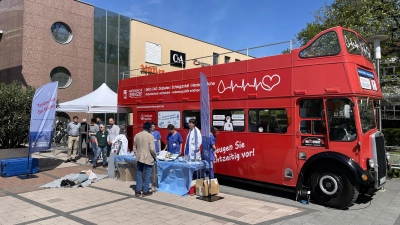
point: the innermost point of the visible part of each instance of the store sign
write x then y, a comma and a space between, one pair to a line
150, 69
177, 59
196, 62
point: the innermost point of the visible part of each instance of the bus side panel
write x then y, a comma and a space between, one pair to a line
229, 68
231, 154
270, 149
316, 79
229, 161
267, 63
228, 87
195, 73
171, 91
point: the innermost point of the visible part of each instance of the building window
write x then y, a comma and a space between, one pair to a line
237, 60
227, 59
62, 75
153, 53
215, 58
61, 32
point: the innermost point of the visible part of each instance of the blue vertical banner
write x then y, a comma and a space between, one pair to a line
42, 117
205, 117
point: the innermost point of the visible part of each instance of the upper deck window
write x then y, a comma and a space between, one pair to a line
351, 41
365, 49
327, 44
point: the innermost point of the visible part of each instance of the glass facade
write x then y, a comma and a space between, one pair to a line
111, 47
111, 51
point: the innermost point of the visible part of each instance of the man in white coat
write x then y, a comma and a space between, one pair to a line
193, 141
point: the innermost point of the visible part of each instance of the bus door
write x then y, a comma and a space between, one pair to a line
311, 135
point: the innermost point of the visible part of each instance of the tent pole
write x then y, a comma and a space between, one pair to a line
87, 136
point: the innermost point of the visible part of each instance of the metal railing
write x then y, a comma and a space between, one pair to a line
395, 160
131, 73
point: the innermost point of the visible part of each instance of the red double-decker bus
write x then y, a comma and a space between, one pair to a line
301, 120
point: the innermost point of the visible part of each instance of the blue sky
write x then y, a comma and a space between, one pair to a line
233, 24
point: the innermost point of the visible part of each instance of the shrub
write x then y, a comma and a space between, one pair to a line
390, 123
392, 136
393, 173
15, 115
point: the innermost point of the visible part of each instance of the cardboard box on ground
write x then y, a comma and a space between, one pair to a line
202, 187
126, 171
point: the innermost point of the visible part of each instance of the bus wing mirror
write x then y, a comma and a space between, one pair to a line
347, 111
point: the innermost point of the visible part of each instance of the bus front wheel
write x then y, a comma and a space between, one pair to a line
332, 187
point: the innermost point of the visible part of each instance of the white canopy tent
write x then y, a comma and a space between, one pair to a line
102, 100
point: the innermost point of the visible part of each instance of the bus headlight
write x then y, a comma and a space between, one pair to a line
387, 155
371, 163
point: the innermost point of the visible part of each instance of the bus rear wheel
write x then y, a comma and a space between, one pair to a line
333, 187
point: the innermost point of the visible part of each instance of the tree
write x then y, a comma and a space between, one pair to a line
15, 115
286, 51
367, 17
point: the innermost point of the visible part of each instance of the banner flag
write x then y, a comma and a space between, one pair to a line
42, 117
205, 117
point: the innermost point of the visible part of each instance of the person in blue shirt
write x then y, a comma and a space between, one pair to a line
213, 148
157, 137
174, 140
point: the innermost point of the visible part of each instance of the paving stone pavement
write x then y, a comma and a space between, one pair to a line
111, 201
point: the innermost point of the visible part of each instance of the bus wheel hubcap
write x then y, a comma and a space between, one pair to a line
329, 184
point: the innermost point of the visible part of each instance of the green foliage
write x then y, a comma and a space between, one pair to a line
306, 34
367, 17
16, 102
390, 123
286, 51
392, 136
393, 173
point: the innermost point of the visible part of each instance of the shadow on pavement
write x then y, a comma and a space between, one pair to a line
363, 199
133, 186
258, 188
46, 164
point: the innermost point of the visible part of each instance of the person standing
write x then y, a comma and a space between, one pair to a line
98, 121
213, 148
145, 152
157, 137
83, 130
193, 141
93, 129
113, 131
73, 139
174, 141
102, 138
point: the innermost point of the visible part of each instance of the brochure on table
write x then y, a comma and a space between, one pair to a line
167, 156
